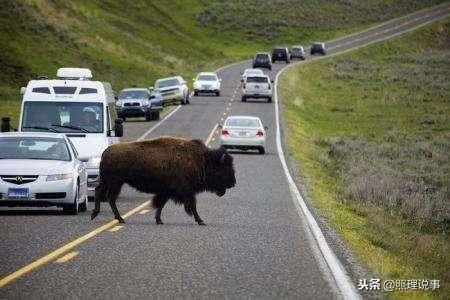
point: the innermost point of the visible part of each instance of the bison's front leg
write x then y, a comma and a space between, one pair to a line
158, 202
195, 213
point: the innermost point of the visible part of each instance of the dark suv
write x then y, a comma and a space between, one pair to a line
139, 102
318, 48
280, 53
262, 60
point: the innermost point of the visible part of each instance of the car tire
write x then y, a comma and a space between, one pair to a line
195, 93
218, 93
149, 116
72, 209
269, 100
270, 68
244, 99
83, 206
123, 118
156, 115
261, 150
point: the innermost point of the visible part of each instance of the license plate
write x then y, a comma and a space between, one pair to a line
242, 133
18, 193
256, 86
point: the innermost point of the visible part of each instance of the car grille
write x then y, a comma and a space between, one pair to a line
131, 104
168, 92
19, 179
50, 195
206, 87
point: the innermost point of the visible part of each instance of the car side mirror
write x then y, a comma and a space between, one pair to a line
23, 90
83, 159
271, 80
6, 125
118, 127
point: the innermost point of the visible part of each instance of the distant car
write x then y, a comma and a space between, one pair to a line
318, 48
298, 52
207, 82
139, 102
280, 53
262, 60
257, 86
42, 169
243, 133
248, 72
172, 89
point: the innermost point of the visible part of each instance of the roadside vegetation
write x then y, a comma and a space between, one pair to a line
134, 43
370, 130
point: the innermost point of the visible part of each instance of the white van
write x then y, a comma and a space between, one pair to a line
84, 110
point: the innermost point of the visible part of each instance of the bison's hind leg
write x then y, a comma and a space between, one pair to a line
100, 195
113, 193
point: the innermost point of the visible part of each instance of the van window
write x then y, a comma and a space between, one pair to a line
257, 79
43, 90
88, 91
63, 116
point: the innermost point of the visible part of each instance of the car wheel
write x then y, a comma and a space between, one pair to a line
156, 115
270, 68
72, 209
149, 116
218, 93
244, 99
261, 150
269, 100
123, 118
195, 93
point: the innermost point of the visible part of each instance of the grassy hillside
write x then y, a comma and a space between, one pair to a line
370, 131
134, 43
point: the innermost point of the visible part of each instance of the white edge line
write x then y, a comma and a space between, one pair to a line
339, 273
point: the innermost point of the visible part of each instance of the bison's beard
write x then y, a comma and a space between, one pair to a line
220, 193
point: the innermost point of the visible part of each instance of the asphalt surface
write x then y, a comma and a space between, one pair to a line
255, 244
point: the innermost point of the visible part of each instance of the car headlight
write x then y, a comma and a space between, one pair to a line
145, 103
93, 162
59, 177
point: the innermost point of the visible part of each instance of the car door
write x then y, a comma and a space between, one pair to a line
80, 168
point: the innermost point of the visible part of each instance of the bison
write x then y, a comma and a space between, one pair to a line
169, 168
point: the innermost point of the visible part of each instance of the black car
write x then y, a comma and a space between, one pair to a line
280, 53
298, 52
318, 48
262, 60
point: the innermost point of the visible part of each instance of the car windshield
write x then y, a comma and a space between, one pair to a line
242, 122
207, 78
34, 148
67, 117
166, 82
257, 79
262, 56
134, 94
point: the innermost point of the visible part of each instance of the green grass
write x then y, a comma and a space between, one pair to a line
370, 131
140, 41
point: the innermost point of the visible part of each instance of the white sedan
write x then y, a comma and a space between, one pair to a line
250, 72
207, 82
243, 133
41, 169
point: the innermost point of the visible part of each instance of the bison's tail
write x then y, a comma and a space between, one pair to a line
100, 195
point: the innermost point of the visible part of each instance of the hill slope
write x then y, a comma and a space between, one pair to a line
137, 42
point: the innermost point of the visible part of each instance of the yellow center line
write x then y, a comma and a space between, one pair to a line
66, 257
69, 246
115, 228
208, 140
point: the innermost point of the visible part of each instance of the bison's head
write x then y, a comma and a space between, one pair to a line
220, 171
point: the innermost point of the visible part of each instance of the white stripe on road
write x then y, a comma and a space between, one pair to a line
159, 123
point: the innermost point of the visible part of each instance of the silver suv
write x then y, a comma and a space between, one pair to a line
173, 89
257, 86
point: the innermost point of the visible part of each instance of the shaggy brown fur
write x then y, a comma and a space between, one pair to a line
170, 168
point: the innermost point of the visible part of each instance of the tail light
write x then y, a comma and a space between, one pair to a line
260, 133
225, 132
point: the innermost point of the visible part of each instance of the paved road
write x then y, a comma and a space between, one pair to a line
254, 245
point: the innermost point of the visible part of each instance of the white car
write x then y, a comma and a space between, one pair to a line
243, 133
249, 72
257, 86
172, 89
207, 82
42, 169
